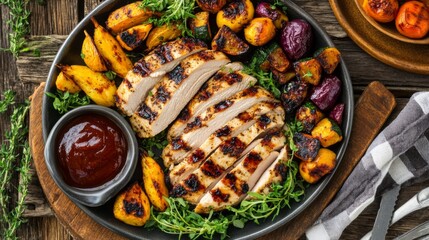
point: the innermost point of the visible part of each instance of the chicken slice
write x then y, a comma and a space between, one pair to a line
275, 173
212, 119
174, 91
192, 187
232, 188
234, 127
221, 86
149, 70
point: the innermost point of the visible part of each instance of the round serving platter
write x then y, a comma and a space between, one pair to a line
402, 55
70, 54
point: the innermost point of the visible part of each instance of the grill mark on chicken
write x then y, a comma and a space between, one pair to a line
232, 147
223, 105
184, 115
178, 143
194, 124
263, 121
233, 78
197, 156
223, 132
252, 91
192, 183
178, 191
204, 55
218, 196
281, 170
128, 83
209, 168
142, 67
146, 113
177, 74
245, 116
266, 141
251, 162
162, 95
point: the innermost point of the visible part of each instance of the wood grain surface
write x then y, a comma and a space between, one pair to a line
58, 17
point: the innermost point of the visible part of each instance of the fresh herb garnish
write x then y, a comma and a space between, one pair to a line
15, 158
179, 218
291, 128
65, 101
82, 56
173, 12
9, 99
265, 79
280, 4
155, 143
110, 75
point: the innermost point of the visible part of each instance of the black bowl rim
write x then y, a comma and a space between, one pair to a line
99, 195
347, 122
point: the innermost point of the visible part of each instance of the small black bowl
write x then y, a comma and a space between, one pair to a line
95, 196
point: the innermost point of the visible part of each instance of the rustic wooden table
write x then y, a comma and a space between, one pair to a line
57, 18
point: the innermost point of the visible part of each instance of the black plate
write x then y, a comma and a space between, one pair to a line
70, 54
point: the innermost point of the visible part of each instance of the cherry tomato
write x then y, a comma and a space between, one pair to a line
413, 19
381, 10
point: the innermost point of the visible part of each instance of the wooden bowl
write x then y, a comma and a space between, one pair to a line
389, 28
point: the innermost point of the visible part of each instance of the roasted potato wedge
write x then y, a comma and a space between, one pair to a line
132, 206
328, 58
154, 183
236, 15
212, 6
65, 84
134, 37
111, 50
162, 34
328, 132
91, 56
228, 42
260, 31
308, 70
308, 146
323, 164
126, 17
309, 115
95, 84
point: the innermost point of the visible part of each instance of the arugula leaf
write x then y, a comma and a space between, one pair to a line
173, 11
155, 144
110, 75
291, 128
65, 101
265, 79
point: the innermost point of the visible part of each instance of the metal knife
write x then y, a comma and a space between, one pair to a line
419, 231
385, 212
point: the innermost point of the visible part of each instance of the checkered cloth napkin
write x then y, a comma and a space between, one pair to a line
398, 155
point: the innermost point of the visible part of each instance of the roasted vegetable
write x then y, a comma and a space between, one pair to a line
212, 6
278, 60
126, 17
154, 183
309, 116
228, 42
325, 94
264, 9
328, 58
91, 56
235, 15
109, 48
308, 70
283, 78
296, 38
95, 84
134, 37
323, 164
260, 57
294, 93
328, 132
132, 206
162, 34
413, 19
260, 31
337, 113
65, 84
381, 10
200, 26
308, 146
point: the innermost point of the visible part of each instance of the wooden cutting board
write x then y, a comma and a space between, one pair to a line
371, 111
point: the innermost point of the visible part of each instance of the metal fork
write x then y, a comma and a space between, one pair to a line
417, 202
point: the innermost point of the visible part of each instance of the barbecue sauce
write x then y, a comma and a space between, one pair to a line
91, 150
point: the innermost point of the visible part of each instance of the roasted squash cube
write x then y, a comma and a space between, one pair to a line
278, 60
308, 146
328, 58
308, 70
236, 15
200, 26
228, 42
328, 132
132, 206
309, 115
283, 78
134, 37
294, 93
323, 164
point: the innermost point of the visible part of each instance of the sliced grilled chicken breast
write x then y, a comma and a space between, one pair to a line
174, 91
275, 173
221, 86
234, 127
149, 70
232, 187
247, 124
223, 158
212, 119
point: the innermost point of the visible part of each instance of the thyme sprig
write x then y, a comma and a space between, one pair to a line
65, 101
154, 144
9, 99
173, 11
14, 158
